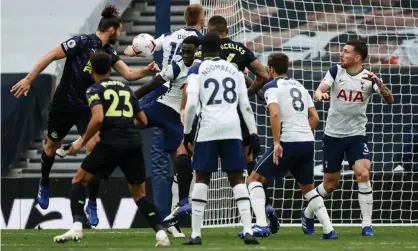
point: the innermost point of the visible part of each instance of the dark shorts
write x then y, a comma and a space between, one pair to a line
166, 118
297, 158
355, 148
230, 151
61, 119
104, 159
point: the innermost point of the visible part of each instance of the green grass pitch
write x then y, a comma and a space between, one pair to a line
388, 238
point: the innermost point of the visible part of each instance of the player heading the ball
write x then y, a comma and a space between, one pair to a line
351, 87
220, 89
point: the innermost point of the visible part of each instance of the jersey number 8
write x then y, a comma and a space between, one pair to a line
231, 89
297, 97
114, 96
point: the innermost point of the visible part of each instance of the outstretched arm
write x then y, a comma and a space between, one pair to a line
131, 74
22, 87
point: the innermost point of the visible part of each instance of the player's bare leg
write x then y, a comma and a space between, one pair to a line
78, 197
184, 178
199, 201
93, 188
149, 212
242, 198
47, 159
316, 205
365, 194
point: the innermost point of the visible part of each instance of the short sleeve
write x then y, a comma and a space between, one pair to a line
114, 55
249, 55
159, 42
93, 96
170, 72
72, 46
193, 79
270, 90
330, 76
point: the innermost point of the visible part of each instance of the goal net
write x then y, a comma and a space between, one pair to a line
312, 33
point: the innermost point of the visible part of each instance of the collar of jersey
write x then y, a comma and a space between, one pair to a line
285, 78
190, 29
100, 41
104, 80
213, 58
355, 74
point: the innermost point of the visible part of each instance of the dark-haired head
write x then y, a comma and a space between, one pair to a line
219, 25
278, 63
188, 49
353, 54
194, 16
211, 45
111, 23
101, 64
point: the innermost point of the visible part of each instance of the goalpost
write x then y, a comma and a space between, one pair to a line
312, 33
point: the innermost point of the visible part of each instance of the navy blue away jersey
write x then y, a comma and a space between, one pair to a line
234, 52
119, 107
76, 76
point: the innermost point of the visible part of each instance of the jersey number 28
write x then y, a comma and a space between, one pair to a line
115, 97
228, 91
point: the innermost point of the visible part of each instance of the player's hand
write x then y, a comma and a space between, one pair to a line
182, 115
21, 88
152, 68
254, 146
130, 51
278, 153
188, 139
320, 96
75, 147
372, 77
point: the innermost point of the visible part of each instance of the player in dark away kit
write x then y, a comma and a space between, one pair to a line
115, 112
69, 105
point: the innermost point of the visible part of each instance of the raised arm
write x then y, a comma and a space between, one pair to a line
23, 86
380, 88
321, 92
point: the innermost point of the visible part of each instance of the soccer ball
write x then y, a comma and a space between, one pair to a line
143, 45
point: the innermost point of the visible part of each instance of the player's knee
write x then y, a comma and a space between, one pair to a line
362, 175
331, 185
255, 177
235, 178
51, 147
82, 178
137, 191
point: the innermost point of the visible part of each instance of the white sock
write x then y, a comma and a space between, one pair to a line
316, 204
309, 213
78, 226
199, 200
243, 203
258, 202
365, 199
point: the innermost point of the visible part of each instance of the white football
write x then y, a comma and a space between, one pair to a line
143, 45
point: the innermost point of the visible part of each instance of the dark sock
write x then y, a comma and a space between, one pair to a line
150, 212
250, 167
184, 176
268, 192
78, 197
47, 163
93, 188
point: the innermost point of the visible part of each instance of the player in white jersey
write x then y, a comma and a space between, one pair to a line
171, 44
292, 118
219, 88
351, 87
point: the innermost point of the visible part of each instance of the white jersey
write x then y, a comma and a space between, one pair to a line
350, 95
294, 102
176, 75
170, 43
220, 88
